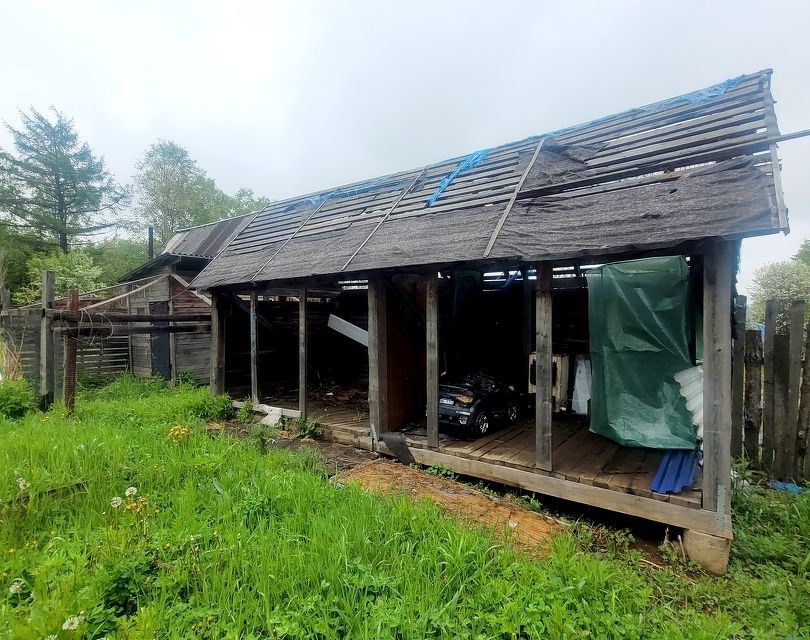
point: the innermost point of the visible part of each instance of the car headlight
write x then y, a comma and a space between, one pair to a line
465, 399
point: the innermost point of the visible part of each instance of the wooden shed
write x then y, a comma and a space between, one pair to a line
482, 261
166, 291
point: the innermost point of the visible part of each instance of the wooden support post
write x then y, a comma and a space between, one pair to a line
771, 313
5, 298
217, 343
543, 365
377, 358
254, 348
70, 347
717, 276
302, 352
528, 334
737, 377
432, 357
798, 310
46, 353
753, 393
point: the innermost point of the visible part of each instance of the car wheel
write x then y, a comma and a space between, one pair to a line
481, 424
513, 412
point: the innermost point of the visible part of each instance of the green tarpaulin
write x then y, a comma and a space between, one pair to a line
638, 317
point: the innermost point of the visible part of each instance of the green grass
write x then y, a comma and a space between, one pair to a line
230, 542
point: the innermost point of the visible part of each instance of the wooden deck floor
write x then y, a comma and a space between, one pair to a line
578, 456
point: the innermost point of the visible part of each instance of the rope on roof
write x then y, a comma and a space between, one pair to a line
356, 190
468, 163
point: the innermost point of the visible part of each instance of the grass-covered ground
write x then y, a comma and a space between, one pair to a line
222, 541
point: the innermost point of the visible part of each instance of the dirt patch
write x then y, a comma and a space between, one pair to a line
529, 531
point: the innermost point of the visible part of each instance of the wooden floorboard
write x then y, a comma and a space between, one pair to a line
578, 455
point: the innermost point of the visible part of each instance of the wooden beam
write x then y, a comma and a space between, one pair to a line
112, 318
717, 277
377, 358
46, 353
511, 202
70, 345
254, 348
244, 306
737, 377
126, 294
107, 331
432, 357
385, 217
543, 384
217, 343
302, 352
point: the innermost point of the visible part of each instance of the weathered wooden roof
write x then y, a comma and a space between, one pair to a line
687, 168
200, 243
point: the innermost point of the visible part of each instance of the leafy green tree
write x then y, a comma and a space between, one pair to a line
173, 191
803, 254
74, 270
245, 201
787, 280
16, 249
117, 257
53, 185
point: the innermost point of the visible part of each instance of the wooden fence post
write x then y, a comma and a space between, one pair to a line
46, 354
753, 393
790, 428
771, 313
781, 363
70, 344
737, 377
803, 434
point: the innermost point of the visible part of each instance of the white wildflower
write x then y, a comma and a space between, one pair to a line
130, 492
72, 623
23, 484
16, 586
116, 502
51, 637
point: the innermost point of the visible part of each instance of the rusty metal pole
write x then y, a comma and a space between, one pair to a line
70, 344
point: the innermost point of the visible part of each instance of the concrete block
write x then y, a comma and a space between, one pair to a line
710, 552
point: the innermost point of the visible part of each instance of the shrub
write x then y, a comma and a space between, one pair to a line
16, 398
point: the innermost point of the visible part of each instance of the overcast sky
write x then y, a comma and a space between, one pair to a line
289, 97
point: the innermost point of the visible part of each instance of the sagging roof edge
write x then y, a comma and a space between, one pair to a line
630, 252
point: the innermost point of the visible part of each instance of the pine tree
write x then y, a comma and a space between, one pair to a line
54, 185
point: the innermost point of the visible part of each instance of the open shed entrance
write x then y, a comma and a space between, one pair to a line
335, 346
486, 323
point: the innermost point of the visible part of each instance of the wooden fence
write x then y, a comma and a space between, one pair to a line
771, 390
